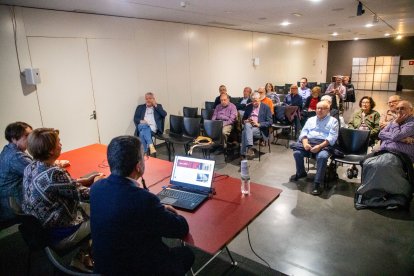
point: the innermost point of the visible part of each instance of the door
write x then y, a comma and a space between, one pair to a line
65, 93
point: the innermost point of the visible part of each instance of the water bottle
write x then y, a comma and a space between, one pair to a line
245, 178
245, 185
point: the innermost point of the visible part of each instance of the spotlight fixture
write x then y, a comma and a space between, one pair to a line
360, 9
375, 19
386, 34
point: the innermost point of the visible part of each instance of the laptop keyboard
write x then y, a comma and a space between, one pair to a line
181, 195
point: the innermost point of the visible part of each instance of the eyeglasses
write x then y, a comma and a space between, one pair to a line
322, 108
400, 108
365, 103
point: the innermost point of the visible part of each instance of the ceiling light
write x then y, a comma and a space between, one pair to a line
399, 37
386, 34
334, 34
285, 23
296, 14
356, 38
375, 19
369, 25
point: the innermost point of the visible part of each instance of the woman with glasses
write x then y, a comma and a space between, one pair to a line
366, 118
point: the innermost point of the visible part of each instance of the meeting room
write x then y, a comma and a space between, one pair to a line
207, 137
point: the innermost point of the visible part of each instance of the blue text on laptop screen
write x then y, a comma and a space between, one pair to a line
188, 170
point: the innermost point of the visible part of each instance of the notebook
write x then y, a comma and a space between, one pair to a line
191, 183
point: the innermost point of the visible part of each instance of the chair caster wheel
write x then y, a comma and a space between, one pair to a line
350, 173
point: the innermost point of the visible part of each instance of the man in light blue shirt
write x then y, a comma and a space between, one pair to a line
318, 133
304, 91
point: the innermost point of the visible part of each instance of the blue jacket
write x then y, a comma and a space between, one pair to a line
294, 100
127, 223
264, 119
159, 116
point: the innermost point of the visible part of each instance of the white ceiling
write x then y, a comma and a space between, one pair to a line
318, 20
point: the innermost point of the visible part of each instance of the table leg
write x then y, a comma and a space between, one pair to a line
233, 262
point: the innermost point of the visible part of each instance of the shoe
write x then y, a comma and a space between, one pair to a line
82, 261
355, 172
316, 190
262, 143
152, 149
349, 173
296, 177
250, 152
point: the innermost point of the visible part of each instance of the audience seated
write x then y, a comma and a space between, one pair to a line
271, 94
350, 90
226, 112
303, 90
293, 98
241, 105
13, 161
366, 118
128, 222
265, 100
319, 133
256, 120
222, 90
52, 196
334, 112
309, 109
149, 120
336, 88
398, 135
391, 114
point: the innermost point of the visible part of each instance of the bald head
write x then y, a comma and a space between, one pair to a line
404, 107
322, 109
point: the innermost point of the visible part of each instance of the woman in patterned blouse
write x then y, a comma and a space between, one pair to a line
51, 195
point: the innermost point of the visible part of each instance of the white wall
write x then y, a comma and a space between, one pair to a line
114, 61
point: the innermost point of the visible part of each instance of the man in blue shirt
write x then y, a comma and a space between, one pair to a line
304, 91
318, 133
128, 222
294, 98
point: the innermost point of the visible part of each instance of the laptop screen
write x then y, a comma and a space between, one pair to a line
192, 173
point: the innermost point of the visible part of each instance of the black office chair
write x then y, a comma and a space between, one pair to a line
280, 89
174, 135
191, 130
190, 112
213, 130
354, 144
36, 238
207, 114
283, 123
209, 105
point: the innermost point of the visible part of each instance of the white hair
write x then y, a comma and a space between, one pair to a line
255, 95
327, 98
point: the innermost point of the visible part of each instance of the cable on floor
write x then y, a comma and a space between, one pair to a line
250, 244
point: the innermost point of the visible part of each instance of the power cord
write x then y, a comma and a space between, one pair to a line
161, 180
250, 244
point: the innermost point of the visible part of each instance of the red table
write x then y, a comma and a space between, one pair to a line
215, 223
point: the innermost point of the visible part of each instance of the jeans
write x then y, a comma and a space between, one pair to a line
249, 132
321, 162
145, 135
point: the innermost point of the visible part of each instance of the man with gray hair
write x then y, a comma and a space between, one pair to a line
256, 120
391, 114
318, 133
149, 120
128, 222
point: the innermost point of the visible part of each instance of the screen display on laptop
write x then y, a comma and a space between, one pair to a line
192, 173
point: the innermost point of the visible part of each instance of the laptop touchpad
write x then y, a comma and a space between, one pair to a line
168, 200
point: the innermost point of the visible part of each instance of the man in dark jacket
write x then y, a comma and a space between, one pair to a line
149, 120
128, 222
256, 120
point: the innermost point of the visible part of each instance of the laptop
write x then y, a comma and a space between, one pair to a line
191, 183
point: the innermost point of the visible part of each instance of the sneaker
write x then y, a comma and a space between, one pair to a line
83, 262
316, 190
